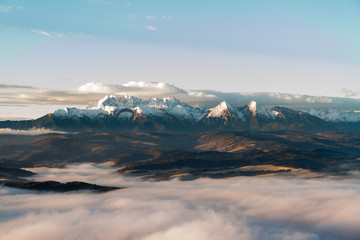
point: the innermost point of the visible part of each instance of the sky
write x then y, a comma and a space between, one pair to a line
290, 47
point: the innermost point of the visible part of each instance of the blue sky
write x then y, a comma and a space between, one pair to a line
309, 29
305, 47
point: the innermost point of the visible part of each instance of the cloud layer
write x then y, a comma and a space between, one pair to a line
94, 91
235, 208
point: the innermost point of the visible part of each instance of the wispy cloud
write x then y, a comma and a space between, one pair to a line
35, 131
7, 86
166, 17
58, 35
349, 92
47, 34
9, 8
151, 28
149, 17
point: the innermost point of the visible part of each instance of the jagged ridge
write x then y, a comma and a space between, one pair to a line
129, 113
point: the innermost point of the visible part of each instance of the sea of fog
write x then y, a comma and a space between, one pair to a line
234, 208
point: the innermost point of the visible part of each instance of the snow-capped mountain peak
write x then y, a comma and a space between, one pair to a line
171, 112
169, 102
119, 102
223, 106
252, 107
335, 115
221, 110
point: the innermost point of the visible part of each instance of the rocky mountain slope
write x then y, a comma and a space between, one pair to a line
131, 114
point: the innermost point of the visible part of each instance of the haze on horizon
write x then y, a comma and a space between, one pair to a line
294, 47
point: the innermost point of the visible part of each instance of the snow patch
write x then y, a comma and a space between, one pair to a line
335, 115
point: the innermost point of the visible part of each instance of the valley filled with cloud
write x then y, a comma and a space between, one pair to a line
232, 208
169, 120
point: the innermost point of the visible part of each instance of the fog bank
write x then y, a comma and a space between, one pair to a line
234, 208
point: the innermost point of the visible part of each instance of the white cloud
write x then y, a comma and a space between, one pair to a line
318, 100
34, 131
47, 34
148, 17
132, 16
152, 85
42, 32
8, 8
94, 87
166, 17
151, 28
349, 92
132, 88
235, 208
199, 94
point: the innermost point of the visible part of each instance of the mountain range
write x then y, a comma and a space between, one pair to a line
129, 114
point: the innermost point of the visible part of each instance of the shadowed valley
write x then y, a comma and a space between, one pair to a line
162, 156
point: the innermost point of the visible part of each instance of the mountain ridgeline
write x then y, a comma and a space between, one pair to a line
131, 114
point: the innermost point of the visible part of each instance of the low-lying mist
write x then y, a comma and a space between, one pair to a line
33, 131
233, 208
